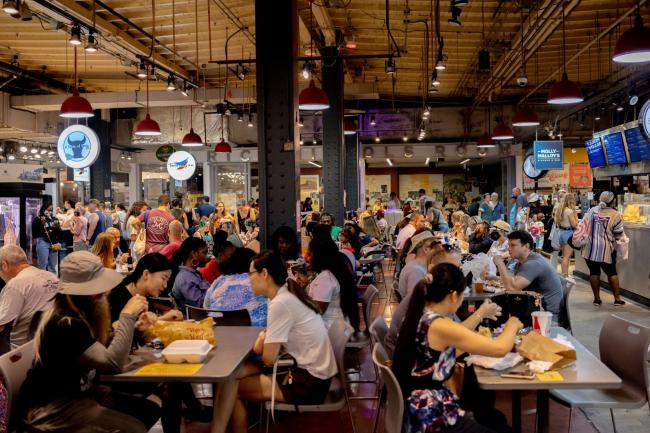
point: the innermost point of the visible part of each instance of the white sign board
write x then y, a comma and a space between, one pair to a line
82, 174
181, 165
78, 146
10, 173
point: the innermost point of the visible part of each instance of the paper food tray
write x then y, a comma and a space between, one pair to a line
191, 351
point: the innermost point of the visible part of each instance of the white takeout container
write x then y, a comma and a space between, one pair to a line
190, 351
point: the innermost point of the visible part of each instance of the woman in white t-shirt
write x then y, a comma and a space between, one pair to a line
566, 220
333, 290
294, 327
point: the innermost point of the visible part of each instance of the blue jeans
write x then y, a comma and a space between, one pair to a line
45, 255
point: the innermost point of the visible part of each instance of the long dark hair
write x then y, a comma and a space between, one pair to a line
275, 266
188, 246
353, 240
325, 256
152, 262
446, 278
135, 209
289, 235
238, 263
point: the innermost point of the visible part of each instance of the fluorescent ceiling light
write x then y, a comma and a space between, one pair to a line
465, 161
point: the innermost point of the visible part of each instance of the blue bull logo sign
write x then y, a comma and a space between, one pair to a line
78, 146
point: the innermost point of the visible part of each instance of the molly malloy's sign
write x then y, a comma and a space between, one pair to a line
549, 155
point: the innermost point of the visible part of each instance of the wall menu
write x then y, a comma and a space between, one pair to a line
637, 145
615, 148
595, 152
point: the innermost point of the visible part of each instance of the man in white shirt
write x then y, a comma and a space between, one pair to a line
29, 290
417, 221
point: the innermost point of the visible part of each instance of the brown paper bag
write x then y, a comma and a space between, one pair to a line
184, 330
536, 347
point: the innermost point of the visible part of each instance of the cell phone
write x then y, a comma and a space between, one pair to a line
526, 374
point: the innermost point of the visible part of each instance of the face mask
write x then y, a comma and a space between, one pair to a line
495, 236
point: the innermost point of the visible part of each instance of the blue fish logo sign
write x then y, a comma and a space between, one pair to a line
76, 146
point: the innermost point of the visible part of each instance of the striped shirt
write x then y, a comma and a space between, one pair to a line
606, 228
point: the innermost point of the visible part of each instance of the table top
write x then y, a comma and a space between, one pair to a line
473, 296
233, 346
586, 372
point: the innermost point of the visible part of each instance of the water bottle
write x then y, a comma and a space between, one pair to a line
446, 239
129, 263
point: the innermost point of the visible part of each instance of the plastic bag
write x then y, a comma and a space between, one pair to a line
477, 265
184, 330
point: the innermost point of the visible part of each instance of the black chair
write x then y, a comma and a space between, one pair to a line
221, 318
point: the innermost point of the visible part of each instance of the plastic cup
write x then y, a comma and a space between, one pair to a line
478, 287
542, 322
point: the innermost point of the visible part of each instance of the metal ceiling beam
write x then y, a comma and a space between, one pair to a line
326, 25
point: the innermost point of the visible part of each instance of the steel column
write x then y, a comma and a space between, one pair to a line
333, 147
277, 116
352, 153
100, 171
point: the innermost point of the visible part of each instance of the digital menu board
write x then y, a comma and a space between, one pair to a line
615, 148
637, 145
595, 152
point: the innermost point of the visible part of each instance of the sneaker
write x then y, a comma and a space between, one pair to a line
619, 303
597, 302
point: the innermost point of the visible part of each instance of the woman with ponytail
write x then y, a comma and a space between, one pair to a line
426, 352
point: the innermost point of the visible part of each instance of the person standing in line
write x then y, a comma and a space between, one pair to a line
46, 232
79, 229
521, 202
600, 250
485, 209
156, 223
498, 211
95, 221
566, 220
205, 209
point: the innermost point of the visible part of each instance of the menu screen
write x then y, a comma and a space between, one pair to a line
637, 145
595, 152
615, 148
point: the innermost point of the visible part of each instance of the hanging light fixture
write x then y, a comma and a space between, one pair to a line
91, 44
142, 70
634, 45
373, 121
10, 7
301, 122
306, 70
525, 116
171, 83
250, 120
75, 35
192, 139
502, 132
75, 106
377, 139
564, 91
435, 82
147, 126
222, 146
312, 98
349, 127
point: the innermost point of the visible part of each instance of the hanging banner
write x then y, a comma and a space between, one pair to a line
181, 165
78, 146
549, 155
82, 174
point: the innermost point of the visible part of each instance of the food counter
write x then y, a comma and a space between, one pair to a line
634, 273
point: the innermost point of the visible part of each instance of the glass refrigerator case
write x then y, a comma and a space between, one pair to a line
18, 207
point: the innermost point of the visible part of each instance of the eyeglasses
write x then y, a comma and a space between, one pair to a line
253, 272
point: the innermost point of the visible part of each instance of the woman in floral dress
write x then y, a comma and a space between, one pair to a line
426, 351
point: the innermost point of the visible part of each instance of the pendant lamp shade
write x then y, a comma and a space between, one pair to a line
485, 141
148, 127
76, 107
565, 92
349, 128
222, 147
313, 98
192, 139
525, 116
502, 132
634, 45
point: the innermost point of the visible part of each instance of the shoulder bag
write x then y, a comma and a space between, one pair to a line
139, 247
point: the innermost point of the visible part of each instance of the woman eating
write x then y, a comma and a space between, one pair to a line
426, 353
60, 393
294, 327
284, 241
232, 290
189, 286
103, 249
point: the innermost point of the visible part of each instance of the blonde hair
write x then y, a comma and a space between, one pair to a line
567, 202
103, 249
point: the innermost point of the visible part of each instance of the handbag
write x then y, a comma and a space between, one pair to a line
140, 245
520, 305
555, 237
582, 232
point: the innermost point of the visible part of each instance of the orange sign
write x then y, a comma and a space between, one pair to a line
580, 175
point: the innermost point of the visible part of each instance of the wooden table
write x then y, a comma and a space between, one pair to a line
234, 343
586, 373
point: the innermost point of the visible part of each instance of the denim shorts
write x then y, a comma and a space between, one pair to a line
565, 235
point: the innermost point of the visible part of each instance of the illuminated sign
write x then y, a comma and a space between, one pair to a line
78, 146
181, 165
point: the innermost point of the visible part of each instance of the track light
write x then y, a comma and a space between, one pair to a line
426, 112
306, 70
43, 151
10, 7
405, 138
377, 139
373, 121
129, 157
314, 140
597, 117
315, 164
33, 150
440, 64
185, 89
465, 161
242, 71
11, 157
171, 83
122, 155
23, 149
455, 15
301, 122
91, 45
619, 108
142, 70
434, 79
75, 35
389, 66
250, 121
25, 12
390, 163
460, 3
240, 117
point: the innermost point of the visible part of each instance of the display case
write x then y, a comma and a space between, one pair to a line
636, 208
19, 204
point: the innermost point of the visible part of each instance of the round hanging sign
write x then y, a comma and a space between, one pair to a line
78, 146
644, 119
181, 165
164, 152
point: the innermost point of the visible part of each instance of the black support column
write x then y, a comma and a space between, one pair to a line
352, 171
333, 147
276, 32
100, 171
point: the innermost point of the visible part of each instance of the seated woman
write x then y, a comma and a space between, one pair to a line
189, 286
60, 393
349, 242
284, 241
232, 290
103, 249
480, 241
459, 222
221, 251
499, 236
294, 327
333, 290
425, 354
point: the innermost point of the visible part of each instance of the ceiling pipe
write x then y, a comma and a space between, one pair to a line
598, 37
43, 82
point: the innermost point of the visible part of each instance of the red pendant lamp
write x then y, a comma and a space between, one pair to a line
192, 139
634, 45
75, 106
312, 98
222, 146
148, 127
349, 128
564, 91
502, 132
525, 116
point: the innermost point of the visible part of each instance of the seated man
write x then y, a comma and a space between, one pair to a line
533, 272
29, 290
328, 220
